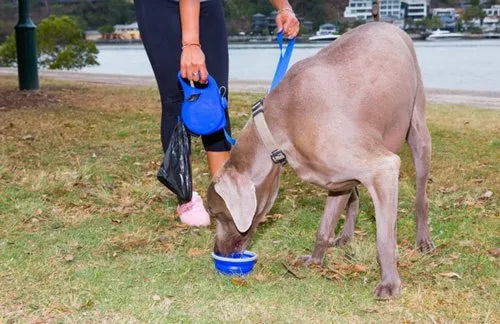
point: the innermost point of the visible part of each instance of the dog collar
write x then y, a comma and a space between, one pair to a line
277, 155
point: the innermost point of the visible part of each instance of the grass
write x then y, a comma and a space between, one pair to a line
87, 234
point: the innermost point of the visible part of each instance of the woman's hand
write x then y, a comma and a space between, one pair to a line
286, 21
193, 65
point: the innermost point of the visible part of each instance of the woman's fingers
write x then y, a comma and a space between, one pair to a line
295, 29
288, 22
184, 69
193, 65
194, 72
291, 26
286, 27
203, 74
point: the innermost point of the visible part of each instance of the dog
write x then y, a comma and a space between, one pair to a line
340, 117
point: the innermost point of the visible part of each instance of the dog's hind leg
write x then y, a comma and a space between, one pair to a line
419, 140
352, 210
335, 203
382, 183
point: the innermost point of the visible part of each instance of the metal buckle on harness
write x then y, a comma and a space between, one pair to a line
278, 157
257, 107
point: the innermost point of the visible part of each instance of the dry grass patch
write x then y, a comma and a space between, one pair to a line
131, 240
87, 234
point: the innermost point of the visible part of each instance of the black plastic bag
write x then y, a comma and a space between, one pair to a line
175, 171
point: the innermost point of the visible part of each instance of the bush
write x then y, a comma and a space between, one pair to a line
106, 29
428, 23
60, 45
475, 30
8, 51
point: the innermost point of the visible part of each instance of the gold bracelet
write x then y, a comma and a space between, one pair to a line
190, 44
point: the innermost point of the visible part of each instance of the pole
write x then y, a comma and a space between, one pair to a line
27, 68
376, 10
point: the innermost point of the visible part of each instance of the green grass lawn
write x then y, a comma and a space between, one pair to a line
87, 233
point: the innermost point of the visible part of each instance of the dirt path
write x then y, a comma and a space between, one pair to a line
482, 99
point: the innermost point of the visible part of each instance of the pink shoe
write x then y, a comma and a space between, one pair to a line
193, 213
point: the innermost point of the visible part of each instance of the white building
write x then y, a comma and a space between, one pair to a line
126, 28
130, 31
494, 11
362, 9
440, 12
358, 9
391, 8
416, 9
92, 35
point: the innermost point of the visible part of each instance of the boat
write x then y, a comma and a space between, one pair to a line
324, 38
326, 33
444, 35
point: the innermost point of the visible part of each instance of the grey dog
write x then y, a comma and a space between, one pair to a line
340, 117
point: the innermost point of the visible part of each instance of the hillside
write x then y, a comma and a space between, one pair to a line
238, 12
92, 14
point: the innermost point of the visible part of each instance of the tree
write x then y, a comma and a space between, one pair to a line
474, 12
428, 23
60, 45
8, 51
106, 29
93, 14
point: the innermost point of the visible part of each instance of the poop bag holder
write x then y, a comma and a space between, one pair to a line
175, 171
204, 109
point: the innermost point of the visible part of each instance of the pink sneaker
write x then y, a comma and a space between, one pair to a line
193, 213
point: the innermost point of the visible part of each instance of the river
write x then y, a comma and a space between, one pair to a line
465, 65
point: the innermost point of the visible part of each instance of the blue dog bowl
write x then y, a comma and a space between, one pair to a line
236, 264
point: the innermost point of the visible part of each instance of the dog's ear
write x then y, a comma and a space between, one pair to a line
238, 193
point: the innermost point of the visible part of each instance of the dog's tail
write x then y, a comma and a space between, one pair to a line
376, 10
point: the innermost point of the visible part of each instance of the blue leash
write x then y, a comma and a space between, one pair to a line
283, 61
280, 72
230, 140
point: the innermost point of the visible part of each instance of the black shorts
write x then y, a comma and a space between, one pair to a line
160, 27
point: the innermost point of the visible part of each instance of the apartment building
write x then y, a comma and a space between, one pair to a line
494, 11
362, 9
415, 9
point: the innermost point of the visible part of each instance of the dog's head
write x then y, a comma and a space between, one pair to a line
232, 200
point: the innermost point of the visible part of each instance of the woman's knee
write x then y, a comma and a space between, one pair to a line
216, 142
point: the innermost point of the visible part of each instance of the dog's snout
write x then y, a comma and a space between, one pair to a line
216, 249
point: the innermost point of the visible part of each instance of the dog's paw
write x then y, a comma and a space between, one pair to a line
425, 245
306, 260
341, 240
388, 290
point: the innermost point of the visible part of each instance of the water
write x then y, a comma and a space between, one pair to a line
466, 65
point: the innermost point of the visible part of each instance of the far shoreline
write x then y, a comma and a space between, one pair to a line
473, 98
263, 40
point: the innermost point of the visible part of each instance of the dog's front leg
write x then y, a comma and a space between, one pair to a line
335, 203
352, 210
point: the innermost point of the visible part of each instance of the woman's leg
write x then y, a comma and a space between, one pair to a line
159, 24
213, 39
160, 28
